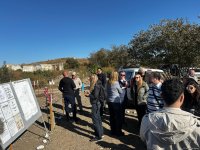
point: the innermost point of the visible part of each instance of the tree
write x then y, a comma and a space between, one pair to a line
118, 56
100, 58
169, 42
71, 63
4, 74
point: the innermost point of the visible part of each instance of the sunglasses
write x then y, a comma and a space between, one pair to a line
122, 75
190, 88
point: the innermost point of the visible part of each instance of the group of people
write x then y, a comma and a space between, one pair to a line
70, 88
167, 110
171, 127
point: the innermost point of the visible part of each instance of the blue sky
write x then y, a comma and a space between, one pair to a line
36, 30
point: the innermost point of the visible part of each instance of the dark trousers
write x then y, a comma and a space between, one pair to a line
70, 100
96, 119
78, 98
102, 108
116, 118
124, 105
141, 111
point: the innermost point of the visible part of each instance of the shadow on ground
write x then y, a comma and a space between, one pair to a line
83, 128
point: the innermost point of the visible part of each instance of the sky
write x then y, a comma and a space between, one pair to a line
40, 30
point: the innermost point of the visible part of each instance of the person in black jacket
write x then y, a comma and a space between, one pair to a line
94, 94
102, 77
123, 84
67, 86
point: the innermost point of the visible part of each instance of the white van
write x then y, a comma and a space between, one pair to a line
197, 73
130, 73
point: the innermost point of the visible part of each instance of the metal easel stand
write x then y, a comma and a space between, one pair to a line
47, 135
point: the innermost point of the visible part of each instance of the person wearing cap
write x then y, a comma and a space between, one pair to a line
78, 84
67, 86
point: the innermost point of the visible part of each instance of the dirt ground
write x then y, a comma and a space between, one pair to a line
76, 136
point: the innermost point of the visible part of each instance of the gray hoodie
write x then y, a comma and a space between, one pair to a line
170, 129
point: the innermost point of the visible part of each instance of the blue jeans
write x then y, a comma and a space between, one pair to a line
96, 118
68, 99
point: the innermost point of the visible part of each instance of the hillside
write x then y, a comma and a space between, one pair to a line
61, 60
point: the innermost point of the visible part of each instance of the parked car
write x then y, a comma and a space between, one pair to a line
197, 73
130, 73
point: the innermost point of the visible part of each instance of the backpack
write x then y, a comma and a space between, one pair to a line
102, 94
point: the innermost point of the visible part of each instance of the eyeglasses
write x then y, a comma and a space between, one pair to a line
122, 75
191, 88
137, 77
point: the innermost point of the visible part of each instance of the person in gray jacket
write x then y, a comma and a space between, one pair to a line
115, 105
171, 128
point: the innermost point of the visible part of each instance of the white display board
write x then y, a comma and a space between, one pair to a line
18, 109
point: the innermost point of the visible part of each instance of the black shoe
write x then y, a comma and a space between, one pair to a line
67, 118
95, 139
72, 120
77, 119
112, 133
80, 111
125, 124
120, 134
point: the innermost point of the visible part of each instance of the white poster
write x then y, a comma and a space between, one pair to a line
6, 110
9, 113
2, 116
14, 107
3, 97
26, 98
18, 109
19, 122
8, 91
12, 126
6, 134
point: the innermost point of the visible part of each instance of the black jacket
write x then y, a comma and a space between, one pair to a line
67, 86
102, 78
94, 96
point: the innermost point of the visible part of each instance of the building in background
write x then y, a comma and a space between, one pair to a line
36, 67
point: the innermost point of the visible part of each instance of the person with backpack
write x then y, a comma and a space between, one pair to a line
96, 93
